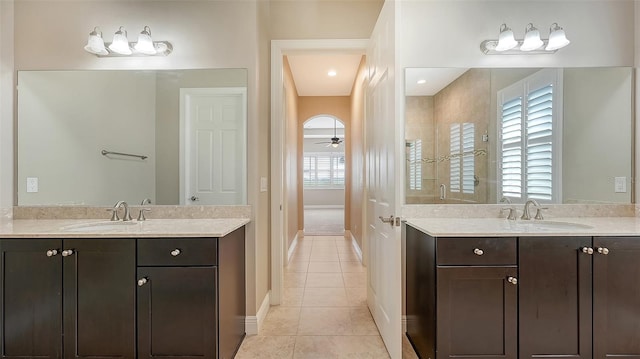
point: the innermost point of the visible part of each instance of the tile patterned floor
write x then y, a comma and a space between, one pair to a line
324, 313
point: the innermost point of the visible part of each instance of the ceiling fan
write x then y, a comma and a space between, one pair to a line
334, 141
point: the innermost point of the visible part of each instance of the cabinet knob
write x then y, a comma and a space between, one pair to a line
512, 280
587, 250
176, 252
52, 252
603, 250
478, 251
67, 252
142, 281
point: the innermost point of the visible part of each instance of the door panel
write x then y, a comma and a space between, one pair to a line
555, 297
99, 298
384, 288
31, 299
177, 313
215, 142
477, 312
616, 298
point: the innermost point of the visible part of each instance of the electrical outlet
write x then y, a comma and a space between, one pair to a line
620, 184
32, 184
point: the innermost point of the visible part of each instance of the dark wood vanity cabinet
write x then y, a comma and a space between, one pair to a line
191, 297
616, 297
573, 297
461, 296
71, 298
555, 295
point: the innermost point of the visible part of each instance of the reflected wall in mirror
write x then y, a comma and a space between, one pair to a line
555, 135
190, 125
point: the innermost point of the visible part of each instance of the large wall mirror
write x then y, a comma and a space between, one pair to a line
176, 137
558, 135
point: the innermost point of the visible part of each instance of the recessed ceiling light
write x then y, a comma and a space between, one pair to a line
332, 73
422, 82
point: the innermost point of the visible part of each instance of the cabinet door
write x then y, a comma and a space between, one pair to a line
616, 299
177, 312
99, 298
421, 291
477, 313
555, 297
31, 299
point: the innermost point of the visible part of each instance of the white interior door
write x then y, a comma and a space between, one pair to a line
384, 288
213, 150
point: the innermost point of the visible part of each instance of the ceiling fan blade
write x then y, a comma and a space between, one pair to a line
320, 143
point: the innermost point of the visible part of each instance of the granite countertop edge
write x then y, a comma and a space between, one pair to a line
153, 228
498, 227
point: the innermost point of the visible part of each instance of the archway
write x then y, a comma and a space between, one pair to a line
323, 175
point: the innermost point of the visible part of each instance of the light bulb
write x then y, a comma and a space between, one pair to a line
532, 39
120, 43
557, 38
145, 43
506, 40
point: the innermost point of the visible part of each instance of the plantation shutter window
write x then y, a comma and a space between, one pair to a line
415, 165
529, 138
323, 170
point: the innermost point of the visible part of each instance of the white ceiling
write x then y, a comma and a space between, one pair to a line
436, 79
310, 73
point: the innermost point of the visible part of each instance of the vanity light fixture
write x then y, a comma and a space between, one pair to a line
532, 40
507, 44
506, 39
120, 46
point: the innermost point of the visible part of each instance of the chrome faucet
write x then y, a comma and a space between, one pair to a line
512, 210
141, 216
526, 215
125, 217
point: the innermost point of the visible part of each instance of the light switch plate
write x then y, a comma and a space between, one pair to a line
620, 184
32, 184
263, 184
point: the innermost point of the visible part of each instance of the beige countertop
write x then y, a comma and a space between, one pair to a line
97, 228
498, 227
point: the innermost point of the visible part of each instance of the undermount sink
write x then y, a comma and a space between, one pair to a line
102, 226
552, 225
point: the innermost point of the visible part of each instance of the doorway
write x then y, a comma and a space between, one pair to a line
323, 173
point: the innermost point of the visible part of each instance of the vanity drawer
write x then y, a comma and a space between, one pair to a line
476, 251
177, 252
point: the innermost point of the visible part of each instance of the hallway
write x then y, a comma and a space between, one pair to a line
324, 312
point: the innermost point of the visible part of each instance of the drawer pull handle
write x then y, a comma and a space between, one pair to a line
512, 280
142, 282
478, 251
52, 252
67, 252
587, 250
603, 250
176, 252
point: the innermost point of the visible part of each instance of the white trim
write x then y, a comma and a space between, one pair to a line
356, 247
279, 48
184, 131
292, 247
253, 323
404, 324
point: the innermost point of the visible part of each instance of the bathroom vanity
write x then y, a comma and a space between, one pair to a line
161, 288
488, 288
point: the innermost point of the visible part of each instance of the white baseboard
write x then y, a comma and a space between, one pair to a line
356, 247
323, 206
293, 246
253, 323
404, 323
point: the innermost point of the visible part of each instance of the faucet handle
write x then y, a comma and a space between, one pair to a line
141, 216
114, 214
539, 212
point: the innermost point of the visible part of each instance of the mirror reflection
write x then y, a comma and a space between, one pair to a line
484, 135
96, 137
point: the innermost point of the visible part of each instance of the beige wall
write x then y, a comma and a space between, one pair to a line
205, 34
420, 125
292, 217
324, 19
340, 107
356, 139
